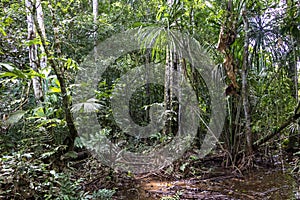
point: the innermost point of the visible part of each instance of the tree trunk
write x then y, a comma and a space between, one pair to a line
245, 84
59, 72
167, 91
33, 54
95, 14
180, 63
293, 136
40, 19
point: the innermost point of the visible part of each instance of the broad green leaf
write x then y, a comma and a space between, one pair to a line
39, 112
16, 116
54, 90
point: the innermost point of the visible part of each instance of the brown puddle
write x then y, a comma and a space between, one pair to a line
257, 185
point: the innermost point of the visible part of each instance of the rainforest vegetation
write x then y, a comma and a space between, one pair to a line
250, 49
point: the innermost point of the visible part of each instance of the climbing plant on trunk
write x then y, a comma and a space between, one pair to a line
59, 71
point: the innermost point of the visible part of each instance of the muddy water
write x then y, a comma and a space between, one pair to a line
261, 184
264, 185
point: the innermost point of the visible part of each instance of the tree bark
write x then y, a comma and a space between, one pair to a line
40, 19
59, 72
167, 91
246, 104
95, 14
33, 53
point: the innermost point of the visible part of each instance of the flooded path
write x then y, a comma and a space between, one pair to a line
261, 184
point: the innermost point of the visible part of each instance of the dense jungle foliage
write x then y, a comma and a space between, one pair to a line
254, 49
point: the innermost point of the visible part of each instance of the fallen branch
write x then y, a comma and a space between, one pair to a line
275, 132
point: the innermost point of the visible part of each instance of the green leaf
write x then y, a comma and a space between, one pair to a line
2, 31
35, 41
182, 167
54, 90
91, 105
13, 72
39, 112
7, 66
70, 154
57, 82
78, 142
159, 13
8, 74
33, 73
16, 116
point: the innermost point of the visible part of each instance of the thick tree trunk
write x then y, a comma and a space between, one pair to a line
245, 84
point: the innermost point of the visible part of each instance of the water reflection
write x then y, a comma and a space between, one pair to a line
263, 184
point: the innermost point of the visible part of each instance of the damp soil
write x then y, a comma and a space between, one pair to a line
259, 184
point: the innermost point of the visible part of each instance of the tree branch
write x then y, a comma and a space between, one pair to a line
275, 132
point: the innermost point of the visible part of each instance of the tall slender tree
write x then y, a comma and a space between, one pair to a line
245, 94
59, 71
33, 49
41, 23
95, 15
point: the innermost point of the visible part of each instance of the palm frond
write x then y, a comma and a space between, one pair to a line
91, 105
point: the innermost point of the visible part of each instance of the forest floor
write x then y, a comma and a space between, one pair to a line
201, 179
